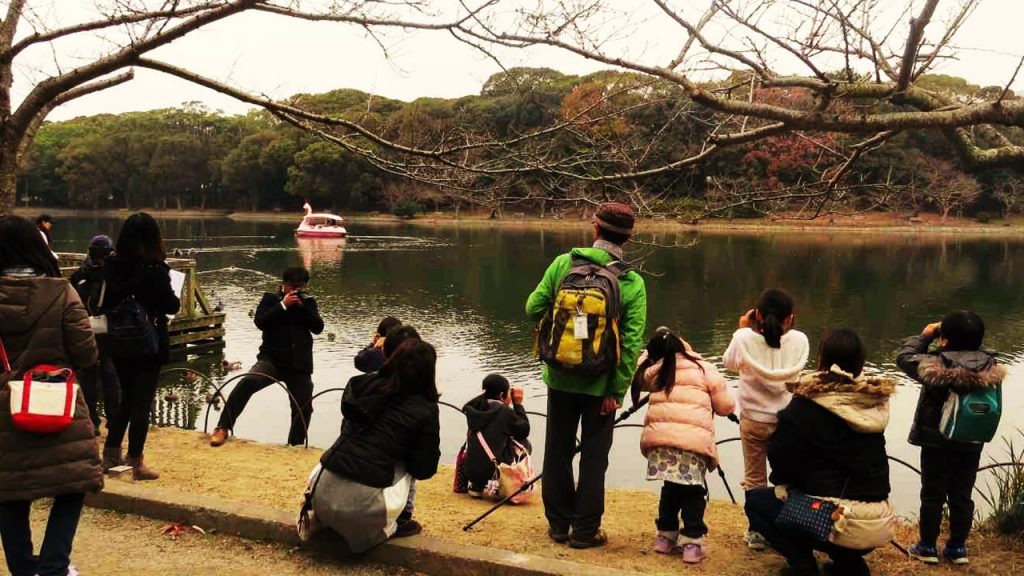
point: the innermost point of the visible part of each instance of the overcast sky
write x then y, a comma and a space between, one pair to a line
280, 57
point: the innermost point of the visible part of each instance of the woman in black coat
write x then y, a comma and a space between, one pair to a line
390, 436
490, 415
138, 270
830, 444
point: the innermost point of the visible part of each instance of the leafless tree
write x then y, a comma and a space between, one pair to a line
131, 30
855, 63
945, 185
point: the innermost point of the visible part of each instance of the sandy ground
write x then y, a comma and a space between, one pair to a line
275, 476
111, 544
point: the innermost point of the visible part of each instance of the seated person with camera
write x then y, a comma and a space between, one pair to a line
500, 419
288, 319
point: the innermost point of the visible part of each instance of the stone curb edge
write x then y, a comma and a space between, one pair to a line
420, 553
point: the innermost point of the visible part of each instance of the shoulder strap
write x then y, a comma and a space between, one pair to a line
486, 447
102, 296
618, 267
3, 357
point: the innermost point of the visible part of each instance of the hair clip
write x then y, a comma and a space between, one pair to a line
835, 369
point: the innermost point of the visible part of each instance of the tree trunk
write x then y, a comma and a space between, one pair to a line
8, 174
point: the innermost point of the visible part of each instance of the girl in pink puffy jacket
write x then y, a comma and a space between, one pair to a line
679, 438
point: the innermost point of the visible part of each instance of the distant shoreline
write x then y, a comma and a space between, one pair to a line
881, 223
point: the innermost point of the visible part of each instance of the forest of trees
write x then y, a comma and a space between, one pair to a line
191, 157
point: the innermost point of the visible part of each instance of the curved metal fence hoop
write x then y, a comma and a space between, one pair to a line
322, 392
217, 393
199, 374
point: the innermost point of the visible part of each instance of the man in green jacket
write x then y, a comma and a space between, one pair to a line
574, 510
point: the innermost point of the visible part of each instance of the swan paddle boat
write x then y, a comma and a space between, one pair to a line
320, 225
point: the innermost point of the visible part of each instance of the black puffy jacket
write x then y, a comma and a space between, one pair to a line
149, 282
498, 424
817, 451
381, 429
288, 333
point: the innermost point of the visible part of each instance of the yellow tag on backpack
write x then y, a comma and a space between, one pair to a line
580, 333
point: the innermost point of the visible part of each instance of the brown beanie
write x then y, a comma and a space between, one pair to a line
615, 217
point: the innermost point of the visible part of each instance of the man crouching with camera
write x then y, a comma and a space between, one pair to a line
288, 319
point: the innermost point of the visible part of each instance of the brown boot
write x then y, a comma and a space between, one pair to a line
112, 458
140, 471
219, 437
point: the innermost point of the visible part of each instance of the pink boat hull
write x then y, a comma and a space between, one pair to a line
321, 234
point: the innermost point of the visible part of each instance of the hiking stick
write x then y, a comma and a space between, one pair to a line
526, 485
721, 472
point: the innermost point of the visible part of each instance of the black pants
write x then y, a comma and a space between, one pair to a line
299, 385
568, 504
139, 378
101, 377
688, 501
55, 553
947, 476
796, 546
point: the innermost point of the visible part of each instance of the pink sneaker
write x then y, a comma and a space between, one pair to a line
693, 553
666, 545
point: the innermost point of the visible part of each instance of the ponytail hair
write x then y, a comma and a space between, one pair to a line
662, 347
774, 307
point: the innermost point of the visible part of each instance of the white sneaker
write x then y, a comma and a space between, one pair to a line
755, 541
72, 571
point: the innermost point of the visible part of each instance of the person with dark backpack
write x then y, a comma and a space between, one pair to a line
957, 372
139, 284
88, 282
592, 310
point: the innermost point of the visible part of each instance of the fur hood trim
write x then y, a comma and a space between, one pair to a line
946, 369
818, 383
862, 402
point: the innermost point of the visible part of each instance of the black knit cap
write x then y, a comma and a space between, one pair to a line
615, 217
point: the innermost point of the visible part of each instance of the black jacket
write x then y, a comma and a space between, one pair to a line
817, 452
288, 334
370, 359
939, 372
88, 281
498, 423
381, 429
149, 282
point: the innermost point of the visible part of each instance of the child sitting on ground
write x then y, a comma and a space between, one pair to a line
767, 353
948, 467
498, 415
679, 438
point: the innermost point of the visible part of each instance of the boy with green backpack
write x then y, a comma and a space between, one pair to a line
957, 412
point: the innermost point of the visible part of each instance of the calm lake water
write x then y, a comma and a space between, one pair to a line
464, 288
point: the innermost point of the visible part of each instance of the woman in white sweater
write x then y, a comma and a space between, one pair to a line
767, 353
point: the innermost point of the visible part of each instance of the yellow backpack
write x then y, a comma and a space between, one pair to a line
580, 333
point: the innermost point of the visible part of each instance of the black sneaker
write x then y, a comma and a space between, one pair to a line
409, 527
558, 537
599, 538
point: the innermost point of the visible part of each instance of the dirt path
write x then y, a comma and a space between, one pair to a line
111, 544
275, 476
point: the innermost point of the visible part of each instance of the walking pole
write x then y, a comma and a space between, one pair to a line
526, 485
721, 472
